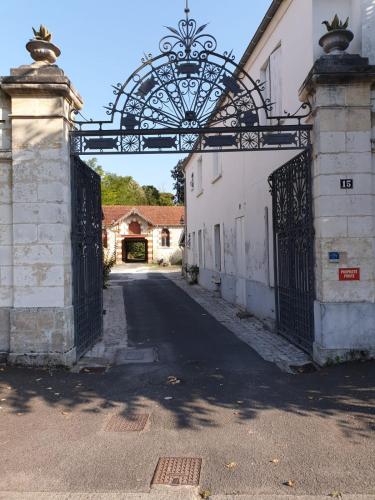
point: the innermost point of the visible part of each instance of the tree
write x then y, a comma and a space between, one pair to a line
120, 190
124, 190
179, 185
166, 199
152, 195
93, 163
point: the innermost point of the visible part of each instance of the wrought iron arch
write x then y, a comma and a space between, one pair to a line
190, 98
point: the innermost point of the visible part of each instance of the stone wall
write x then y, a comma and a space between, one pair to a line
37, 262
339, 88
6, 236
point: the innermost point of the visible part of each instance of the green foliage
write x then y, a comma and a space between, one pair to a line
179, 185
124, 190
136, 250
166, 199
109, 260
93, 163
336, 24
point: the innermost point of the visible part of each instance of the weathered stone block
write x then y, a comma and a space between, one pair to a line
6, 214
358, 142
53, 191
331, 142
6, 258
331, 95
6, 296
4, 331
53, 233
343, 163
357, 95
5, 234
25, 233
38, 254
34, 296
331, 227
350, 205
40, 213
25, 192
361, 227
39, 275
6, 276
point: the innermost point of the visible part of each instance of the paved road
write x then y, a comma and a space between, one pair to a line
231, 406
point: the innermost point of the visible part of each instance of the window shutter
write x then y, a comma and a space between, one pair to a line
275, 82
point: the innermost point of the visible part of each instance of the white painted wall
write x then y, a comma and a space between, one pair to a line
241, 188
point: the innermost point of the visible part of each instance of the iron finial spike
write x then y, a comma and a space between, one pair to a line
187, 10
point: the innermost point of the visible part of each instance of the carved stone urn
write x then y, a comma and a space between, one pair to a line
336, 41
40, 47
338, 37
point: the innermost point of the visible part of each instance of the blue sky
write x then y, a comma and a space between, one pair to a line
102, 43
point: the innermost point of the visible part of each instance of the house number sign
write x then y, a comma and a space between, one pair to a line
346, 183
350, 274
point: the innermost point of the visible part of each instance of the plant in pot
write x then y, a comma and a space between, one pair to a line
338, 37
40, 47
192, 273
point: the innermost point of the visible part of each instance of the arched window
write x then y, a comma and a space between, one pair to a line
165, 238
134, 227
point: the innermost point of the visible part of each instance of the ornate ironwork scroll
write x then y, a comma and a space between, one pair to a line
187, 98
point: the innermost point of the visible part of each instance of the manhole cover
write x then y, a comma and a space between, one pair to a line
178, 471
120, 423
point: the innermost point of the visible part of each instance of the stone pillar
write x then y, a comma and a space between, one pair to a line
41, 319
339, 88
6, 234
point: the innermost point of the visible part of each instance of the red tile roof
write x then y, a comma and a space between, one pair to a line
155, 215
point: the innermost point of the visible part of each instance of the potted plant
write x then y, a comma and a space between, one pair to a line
337, 38
40, 47
192, 273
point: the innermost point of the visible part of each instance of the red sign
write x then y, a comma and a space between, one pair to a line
350, 274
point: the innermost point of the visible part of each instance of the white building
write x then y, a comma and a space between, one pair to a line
143, 233
228, 202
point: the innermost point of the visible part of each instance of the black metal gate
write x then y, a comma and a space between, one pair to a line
87, 255
294, 250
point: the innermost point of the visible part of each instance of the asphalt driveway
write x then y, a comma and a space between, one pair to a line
254, 427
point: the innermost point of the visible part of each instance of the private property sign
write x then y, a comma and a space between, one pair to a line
350, 274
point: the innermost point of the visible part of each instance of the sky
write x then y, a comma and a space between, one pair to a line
102, 43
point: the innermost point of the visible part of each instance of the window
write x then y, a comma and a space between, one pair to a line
216, 166
105, 238
271, 75
165, 238
134, 227
217, 242
199, 176
200, 248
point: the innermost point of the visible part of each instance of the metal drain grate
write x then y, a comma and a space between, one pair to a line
120, 423
178, 471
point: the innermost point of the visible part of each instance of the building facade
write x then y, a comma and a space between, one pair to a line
149, 234
229, 206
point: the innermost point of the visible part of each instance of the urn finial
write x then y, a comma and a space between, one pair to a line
40, 47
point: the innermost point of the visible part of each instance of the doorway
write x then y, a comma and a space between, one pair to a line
135, 250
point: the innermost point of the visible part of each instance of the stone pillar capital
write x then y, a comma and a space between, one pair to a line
341, 69
41, 80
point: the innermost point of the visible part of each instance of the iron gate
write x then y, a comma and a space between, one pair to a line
87, 255
293, 250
